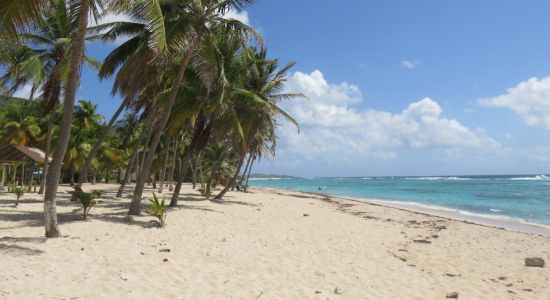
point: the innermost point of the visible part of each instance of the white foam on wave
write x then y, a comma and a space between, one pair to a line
502, 218
260, 179
438, 178
538, 177
425, 178
450, 212
459, 178
411, 203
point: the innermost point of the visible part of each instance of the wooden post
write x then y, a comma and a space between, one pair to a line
31, 165
13, 169
3, 182
22, 178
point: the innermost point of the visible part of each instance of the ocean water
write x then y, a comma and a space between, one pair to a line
522, 198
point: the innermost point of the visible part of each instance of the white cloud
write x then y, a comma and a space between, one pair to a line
529, 99
238, 15
333, 128
410, 64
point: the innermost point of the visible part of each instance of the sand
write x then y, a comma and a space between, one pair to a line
266, 244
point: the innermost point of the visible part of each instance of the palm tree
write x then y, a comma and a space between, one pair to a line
147, 29
260, 96
80, 18
15, 15
20, 127
86, 123
39, 57
214, 157
219, 66
130, 131
193, 22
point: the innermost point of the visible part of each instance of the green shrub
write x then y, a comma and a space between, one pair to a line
18, 191
86, 199
158, 209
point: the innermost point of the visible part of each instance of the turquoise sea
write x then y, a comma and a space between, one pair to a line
523, 198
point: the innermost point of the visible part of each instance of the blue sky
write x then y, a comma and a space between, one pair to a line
399, 87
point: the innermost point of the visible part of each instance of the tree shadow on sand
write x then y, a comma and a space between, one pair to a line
233, 202
16, 250
25, 218
193, 207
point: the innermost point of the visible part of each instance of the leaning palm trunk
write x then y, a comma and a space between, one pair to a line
214, 174
248, 166
149, 132
163, 171
165, 114
119, 175
47, 154
50, 213
194, 174
83, 173
184, 163
248, 176
127, 174
173, 166
244, 173
233, 180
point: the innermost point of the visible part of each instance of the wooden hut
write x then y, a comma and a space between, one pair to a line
14, 156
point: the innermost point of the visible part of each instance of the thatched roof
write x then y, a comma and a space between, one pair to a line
21, 153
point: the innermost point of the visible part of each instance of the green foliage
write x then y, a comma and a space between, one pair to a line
228, 106
87, 199
158, 210
18, 191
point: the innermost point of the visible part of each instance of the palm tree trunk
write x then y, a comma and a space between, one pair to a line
163, 171
137, 164
119, 175
127, 174
194, 174
71, 180
50, 213
83, 177
145, 146
244, 173
165, 114
199, 171
249, 171
173, 167
208, 186
229, 184
154, 180
47, 153
249, 167
184, 162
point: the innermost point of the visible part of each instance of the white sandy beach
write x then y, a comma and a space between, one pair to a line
266, 244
